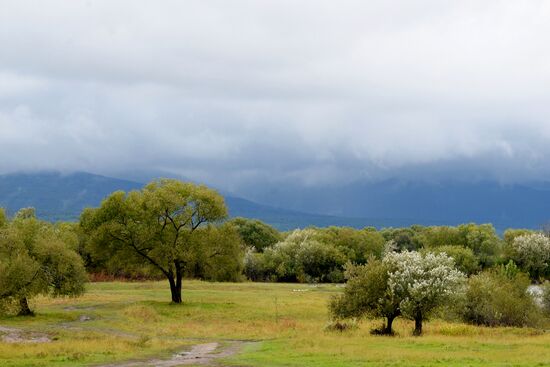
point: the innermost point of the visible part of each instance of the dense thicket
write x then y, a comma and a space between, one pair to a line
320, 254
499, 297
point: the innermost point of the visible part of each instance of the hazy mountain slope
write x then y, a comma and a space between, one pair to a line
389, 203
423, 202
62, 197
56, 196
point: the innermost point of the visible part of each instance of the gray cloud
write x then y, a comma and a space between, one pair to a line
311, 92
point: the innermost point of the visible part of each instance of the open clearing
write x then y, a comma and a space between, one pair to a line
241, 324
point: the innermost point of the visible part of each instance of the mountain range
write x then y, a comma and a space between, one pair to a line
451, 202
390, 203
57, 196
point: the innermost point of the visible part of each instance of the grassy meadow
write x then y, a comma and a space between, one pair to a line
118, 321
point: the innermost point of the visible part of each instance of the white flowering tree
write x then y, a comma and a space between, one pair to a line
532, 254
422, 282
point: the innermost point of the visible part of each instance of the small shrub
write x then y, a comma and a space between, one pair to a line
499, 298
341, 326
546, 298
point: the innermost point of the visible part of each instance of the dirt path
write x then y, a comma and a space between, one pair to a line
200, 354
12, 335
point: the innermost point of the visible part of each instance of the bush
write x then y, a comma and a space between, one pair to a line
532, 254
319, 262
340, 326
300, 257
255, 267
499, 297
545, 299
465, 259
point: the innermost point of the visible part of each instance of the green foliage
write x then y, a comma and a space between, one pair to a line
36, 259
510, 270
314, 254
498, 297
357, 245
3, 217
217, 254
255, 233
435, 237
532, 254
473, 247
481, 239
160, 226
410, 239
545, 299
255, 267
464, 258
367, 294
300, 257
484, 242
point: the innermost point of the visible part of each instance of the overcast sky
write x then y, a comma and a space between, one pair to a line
313, 92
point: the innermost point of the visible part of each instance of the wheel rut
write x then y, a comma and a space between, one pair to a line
200, 354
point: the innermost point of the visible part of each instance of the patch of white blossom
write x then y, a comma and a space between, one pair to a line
533, 251
422, 282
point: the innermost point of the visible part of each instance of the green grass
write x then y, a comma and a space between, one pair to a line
135, 320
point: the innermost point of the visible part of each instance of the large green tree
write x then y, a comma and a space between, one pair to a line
367, 293
35, 258
159, 225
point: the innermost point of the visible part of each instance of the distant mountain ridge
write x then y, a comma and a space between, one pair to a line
391, 203
444, 202
58, 196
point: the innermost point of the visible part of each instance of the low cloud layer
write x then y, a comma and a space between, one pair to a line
308, 92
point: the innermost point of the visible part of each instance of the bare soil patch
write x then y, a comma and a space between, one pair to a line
12, 335
199, 354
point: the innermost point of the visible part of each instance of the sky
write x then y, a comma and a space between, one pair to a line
310, 92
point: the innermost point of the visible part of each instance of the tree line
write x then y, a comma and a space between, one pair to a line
172, 230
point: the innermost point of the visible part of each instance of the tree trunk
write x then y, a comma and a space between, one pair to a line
175, 289
418, 325
388, 330
175, 283
24, 309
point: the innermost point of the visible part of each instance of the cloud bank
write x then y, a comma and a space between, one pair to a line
309, 92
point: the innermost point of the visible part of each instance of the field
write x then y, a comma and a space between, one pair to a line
252, 324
